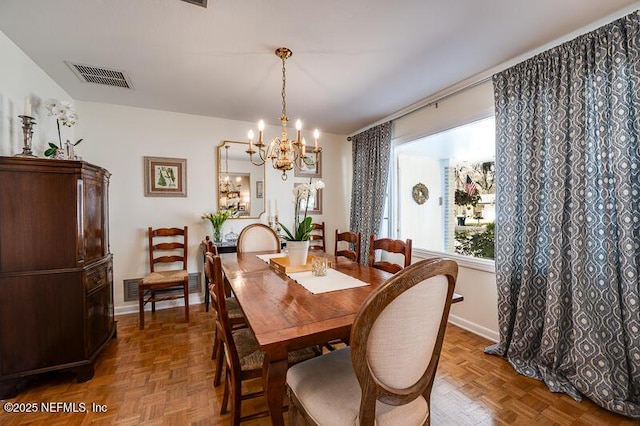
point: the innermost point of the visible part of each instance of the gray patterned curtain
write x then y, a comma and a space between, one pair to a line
568, 219
371, 151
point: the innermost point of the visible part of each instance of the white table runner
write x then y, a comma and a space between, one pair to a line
333, 281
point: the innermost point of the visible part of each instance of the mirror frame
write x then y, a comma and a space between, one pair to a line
252, 190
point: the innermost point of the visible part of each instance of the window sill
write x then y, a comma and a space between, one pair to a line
485, 265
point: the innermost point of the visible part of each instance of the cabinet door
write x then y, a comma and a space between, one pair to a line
41, 321
99, 318
38, 220
93, 219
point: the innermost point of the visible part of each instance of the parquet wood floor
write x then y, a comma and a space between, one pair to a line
163, 375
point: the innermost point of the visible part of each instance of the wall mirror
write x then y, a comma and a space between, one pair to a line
241, 185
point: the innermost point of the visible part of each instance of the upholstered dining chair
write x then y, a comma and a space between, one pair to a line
243, 356
257, 237
166, 246
391, 249
387, 374
353, 245
236, 317
317, 239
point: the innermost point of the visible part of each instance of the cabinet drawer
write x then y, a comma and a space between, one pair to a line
96, 277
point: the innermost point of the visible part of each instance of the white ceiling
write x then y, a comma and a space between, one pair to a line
354, 63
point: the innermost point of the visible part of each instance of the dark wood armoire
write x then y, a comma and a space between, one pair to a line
56, 273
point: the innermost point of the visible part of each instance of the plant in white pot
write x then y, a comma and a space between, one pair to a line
64, 114
298, 240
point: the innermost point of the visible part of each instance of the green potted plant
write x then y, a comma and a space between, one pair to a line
217, 220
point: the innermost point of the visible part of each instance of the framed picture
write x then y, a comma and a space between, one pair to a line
315, 202
312, 167
165, 177
259, 189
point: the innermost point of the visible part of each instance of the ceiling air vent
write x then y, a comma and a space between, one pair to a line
202, 3
97, 75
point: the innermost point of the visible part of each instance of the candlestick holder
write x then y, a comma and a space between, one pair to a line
276, 225
27, 131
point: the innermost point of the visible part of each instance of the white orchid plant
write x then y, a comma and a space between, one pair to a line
64, 114
301, 196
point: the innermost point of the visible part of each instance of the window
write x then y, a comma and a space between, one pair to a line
457, 168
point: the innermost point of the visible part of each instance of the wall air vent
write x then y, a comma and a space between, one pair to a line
130, 286
202, 3
98, 75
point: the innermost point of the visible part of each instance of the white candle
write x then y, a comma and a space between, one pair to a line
277, 207
316, 135
250, 134
27, 107
261, 129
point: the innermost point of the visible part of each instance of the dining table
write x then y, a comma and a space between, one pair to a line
285, 316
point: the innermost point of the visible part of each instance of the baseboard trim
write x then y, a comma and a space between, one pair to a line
475, 328
132, 308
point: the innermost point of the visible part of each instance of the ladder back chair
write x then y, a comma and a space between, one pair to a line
317, 239
387, 374
258, 237
243, 357
236, 317
166, 246
391, 249
353, 245
207, 246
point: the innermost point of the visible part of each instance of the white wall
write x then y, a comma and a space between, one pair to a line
20, 78
118, 137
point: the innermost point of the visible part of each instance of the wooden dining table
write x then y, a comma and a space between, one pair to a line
284, 316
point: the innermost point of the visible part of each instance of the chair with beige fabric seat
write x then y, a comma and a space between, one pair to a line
243, 356
353, 245
166, 246
258, 237
391, 249
236, 317
387, 374
317, 239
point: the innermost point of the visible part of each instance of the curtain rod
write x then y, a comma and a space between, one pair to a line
425, 103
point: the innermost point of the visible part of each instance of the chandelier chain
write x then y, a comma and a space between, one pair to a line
284, 86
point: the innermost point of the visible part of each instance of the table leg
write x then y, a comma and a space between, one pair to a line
274, 374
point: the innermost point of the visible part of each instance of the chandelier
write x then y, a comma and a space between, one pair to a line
225, 184
284, 153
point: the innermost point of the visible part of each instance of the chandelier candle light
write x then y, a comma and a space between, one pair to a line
283, 152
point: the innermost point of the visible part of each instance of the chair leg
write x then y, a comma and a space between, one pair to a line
225, 395
153, 302
186, 299
216, 343
219, 365
236, 400
141, 308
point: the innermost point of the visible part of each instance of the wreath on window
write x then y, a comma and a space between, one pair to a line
420, 193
